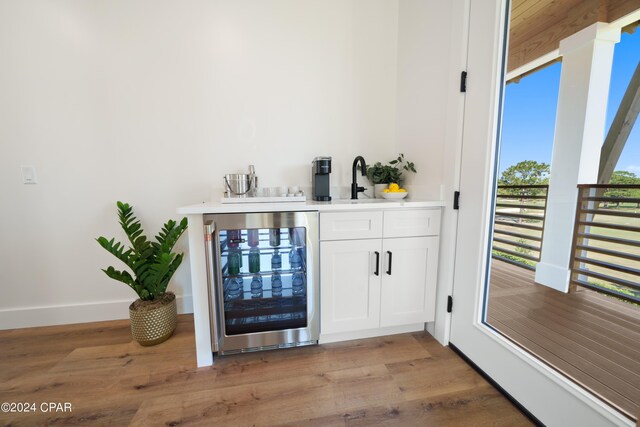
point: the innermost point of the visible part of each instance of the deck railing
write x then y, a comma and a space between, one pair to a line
519, 224
606, 249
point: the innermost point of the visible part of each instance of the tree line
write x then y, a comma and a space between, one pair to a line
530, 172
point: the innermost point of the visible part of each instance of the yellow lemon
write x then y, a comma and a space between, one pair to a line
394, 187
402, 190
386, 190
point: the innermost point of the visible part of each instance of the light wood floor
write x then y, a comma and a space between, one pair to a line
589, 337
402, 380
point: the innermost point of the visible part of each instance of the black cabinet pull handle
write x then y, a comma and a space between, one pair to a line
377, 272
390, 257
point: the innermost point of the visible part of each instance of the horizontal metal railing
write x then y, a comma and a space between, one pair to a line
519, 224
606, 250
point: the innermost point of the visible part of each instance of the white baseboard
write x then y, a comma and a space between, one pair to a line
370, 333
29, 317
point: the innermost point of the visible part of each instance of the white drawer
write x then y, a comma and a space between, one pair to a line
412, 222
350, 225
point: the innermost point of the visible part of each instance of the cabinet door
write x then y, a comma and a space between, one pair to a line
409, 283
349, 288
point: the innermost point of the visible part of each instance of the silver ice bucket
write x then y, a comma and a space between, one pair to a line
240, 185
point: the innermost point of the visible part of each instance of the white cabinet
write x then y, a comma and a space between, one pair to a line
350, 301
382, 274
408, 292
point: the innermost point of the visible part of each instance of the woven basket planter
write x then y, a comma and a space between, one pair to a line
151, 326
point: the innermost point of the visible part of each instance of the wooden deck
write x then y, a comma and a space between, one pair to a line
591, 338
399, 380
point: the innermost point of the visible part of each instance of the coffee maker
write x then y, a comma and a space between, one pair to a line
320, 182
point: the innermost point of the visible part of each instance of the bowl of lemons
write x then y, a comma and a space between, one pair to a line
394, 192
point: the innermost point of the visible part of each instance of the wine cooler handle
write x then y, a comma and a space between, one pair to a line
211, 256
377, 272
390, 257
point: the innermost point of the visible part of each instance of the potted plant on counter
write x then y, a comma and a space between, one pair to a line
153, 315
382, 175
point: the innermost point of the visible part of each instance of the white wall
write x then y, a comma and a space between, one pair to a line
422, 91
151, 102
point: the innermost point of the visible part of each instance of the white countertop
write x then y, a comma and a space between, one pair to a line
309, 205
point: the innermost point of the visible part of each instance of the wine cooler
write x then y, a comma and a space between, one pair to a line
263, 280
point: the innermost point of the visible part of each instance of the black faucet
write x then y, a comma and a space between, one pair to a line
354, 184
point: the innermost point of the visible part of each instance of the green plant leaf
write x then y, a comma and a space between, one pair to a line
170, 234
386, 174
117, 250
152, 263
121, 276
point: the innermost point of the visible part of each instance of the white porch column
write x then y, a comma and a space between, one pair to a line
587, 57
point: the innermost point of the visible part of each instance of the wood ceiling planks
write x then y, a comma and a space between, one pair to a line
523, 10
537, 26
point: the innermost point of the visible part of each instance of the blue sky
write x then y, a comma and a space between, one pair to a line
530, 110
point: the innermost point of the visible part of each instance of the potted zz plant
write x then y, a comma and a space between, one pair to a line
382, 175
153, 315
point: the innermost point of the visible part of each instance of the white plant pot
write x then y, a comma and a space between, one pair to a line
378, 189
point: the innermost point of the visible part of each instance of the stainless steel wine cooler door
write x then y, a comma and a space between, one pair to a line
265, 280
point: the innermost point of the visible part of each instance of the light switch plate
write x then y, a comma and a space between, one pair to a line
29, 175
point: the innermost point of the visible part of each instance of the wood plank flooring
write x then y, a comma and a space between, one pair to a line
590, 338
402, 380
